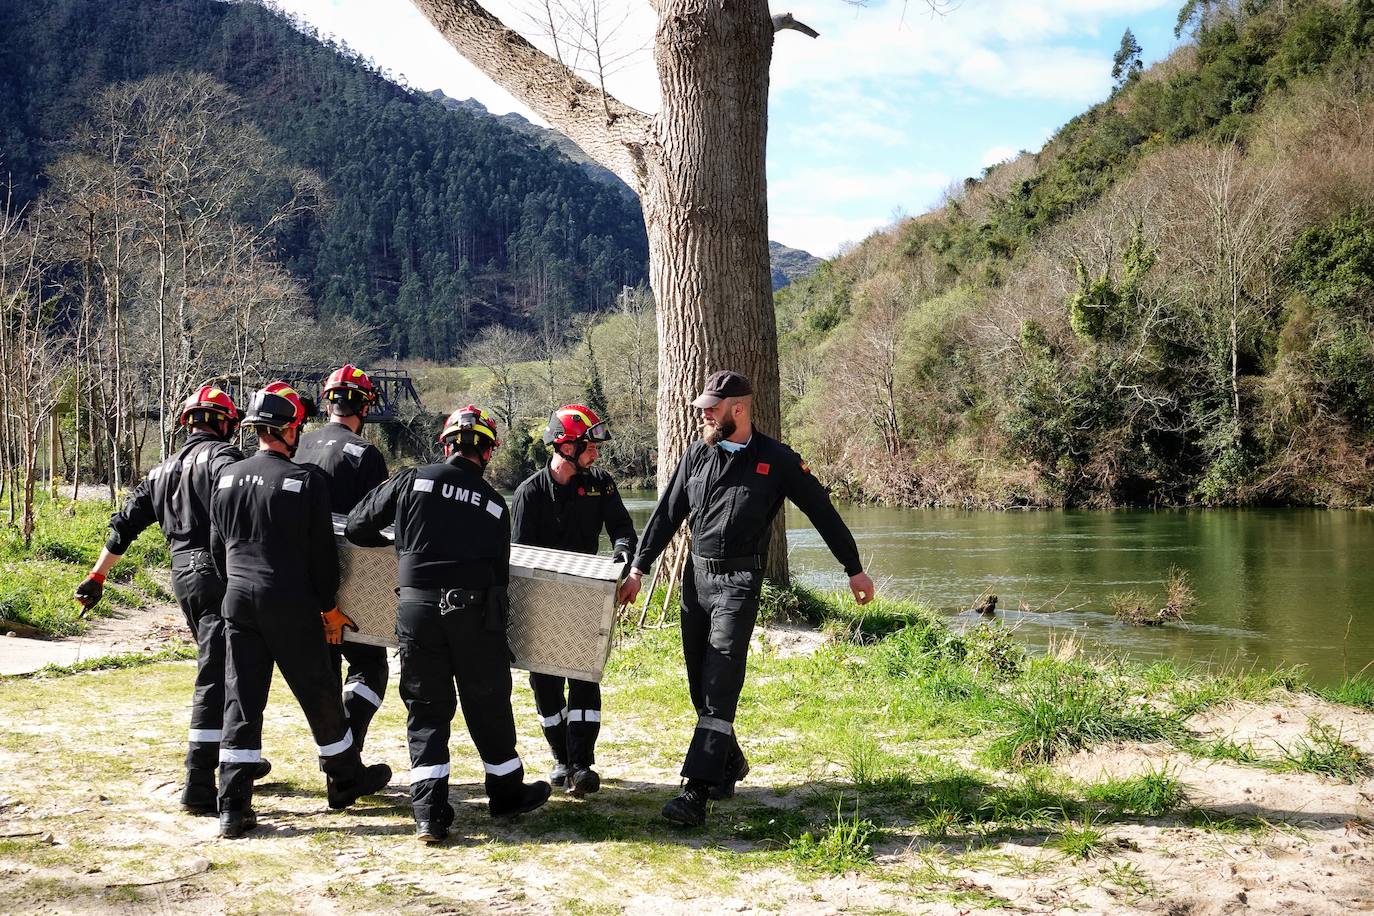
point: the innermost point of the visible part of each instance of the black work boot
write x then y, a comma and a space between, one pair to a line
558, 776
689, 808
738, 769
199, 796
526, 797
367, 781
234, 824
262, 769
583, 781
435, 830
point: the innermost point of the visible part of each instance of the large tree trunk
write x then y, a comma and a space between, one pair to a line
705, 206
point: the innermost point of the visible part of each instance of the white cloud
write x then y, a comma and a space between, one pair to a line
996, 155
820, 234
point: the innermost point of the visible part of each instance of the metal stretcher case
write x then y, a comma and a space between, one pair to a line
562, 604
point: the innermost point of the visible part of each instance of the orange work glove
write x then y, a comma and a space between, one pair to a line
335, 622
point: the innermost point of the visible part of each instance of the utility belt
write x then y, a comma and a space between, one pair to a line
191, 557
717, 565
493, 603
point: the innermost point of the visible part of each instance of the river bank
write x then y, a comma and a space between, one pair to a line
897, 766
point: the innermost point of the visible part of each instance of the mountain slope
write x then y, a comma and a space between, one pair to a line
440, 221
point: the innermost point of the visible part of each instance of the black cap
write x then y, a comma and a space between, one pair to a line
721, 385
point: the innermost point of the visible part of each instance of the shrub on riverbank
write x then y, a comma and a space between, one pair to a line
36, 583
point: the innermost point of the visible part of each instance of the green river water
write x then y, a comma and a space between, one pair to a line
1274, 587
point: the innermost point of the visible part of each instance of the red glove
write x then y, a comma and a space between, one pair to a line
335, 622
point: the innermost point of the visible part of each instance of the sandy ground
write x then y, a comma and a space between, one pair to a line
121, 845
128, 630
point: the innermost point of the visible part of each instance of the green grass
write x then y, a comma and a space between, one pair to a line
36, 583
1066, 710
1149, 795
173, 652
1353, 691
1323, 752
1078, 842
842, 844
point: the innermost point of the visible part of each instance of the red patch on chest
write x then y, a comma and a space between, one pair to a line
581, 491
763, 468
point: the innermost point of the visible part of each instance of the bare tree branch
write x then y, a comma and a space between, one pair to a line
786, 21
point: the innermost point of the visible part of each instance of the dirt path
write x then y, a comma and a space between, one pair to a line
128, 630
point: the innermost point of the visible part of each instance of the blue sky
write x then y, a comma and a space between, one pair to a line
872, 120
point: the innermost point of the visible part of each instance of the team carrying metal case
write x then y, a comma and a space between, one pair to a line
562, 604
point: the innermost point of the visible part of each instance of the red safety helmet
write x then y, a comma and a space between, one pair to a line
208, 404
343, 382
575, 423
470, 425
277, 406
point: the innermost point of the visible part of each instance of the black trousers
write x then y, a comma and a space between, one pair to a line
718, 615
570, 726
200, 593
438, 652
262, 627
365, 686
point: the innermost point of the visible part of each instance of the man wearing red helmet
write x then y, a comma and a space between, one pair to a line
452, 538
565, 506
176, 495
272, 540
354, 467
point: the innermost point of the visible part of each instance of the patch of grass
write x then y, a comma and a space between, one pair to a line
1323, 752
1149, 795
1220, 822
175, 651
1353, 691
1067, 711
1192, 693
1127, 880
768, 825
842, 845
1078, 842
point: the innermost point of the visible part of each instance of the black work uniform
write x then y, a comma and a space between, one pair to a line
452, 536
273, 539
545, 513
731, 499
354, 467
176, 495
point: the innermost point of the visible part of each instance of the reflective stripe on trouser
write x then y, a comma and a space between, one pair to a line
365, 686
718, 614
200, 593
571, 727
448, 659
261, 628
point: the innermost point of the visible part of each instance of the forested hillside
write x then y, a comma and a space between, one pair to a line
434, 221
1171, 303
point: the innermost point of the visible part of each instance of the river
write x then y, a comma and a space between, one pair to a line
1274, 587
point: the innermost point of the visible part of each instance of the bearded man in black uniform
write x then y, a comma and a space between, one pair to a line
354, 467
452, 538
730, 484
564, 506
272, 540
176, 495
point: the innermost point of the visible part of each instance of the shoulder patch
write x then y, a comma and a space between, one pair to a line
292, 484
494, 509
226, 481
422, 485
354, 448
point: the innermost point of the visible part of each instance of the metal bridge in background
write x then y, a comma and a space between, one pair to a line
394, 388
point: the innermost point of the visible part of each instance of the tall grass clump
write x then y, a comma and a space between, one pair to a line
841, 845
1064, 710
1149, 794
1353, 691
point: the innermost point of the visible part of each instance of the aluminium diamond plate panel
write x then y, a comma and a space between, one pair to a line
562, 605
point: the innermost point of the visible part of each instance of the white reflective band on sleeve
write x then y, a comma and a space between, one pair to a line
338, 747
206, 735
354, 448
551, 721
712, 724
423, 486
226, 481
364, 691
240, 755
291, 485
420, 774
502, 769
584, 715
